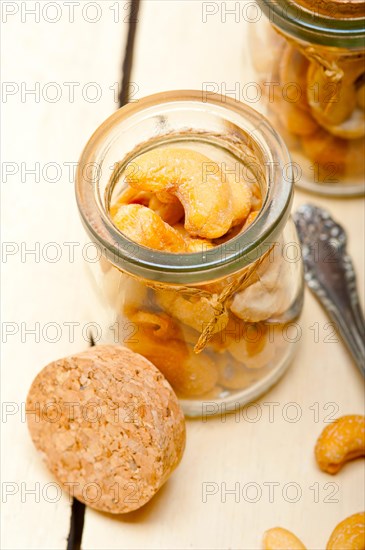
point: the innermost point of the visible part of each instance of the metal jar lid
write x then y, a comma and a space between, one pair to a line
333, 23
335, 9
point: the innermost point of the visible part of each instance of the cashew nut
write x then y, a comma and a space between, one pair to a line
293, 67
349, 534
158, 324
256, 349
194, 312
324, 148
129, 196
170, 212
278, 538
193, 244
292, 108
189, 374
211, 206
271, 293
341, 441
143, 226
335, 109
250, 219
240, 197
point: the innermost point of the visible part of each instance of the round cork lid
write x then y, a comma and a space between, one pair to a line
335, 9
108, 426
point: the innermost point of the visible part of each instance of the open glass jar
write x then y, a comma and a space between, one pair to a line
309, 58
218, 322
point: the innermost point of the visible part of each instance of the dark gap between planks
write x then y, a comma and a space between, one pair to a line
78, 508
76, 525
128, 54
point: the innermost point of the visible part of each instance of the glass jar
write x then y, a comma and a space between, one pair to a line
217, 322
309, 59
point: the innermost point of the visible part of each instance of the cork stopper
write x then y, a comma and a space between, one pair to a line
108, 425
335, 9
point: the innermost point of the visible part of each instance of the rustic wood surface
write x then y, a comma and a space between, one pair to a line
263, 448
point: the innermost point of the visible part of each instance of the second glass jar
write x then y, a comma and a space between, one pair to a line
309, 60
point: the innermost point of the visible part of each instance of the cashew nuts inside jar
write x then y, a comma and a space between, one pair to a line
188, 202
313, 88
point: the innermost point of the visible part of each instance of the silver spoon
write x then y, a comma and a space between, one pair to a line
330, 275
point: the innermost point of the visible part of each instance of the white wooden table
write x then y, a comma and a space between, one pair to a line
264, 455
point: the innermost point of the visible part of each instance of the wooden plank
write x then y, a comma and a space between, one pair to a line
40, 292
180, 46
175, 49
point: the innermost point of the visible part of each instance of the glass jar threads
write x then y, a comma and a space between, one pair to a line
200, 270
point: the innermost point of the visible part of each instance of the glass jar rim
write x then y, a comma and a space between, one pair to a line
315, 28
223, 259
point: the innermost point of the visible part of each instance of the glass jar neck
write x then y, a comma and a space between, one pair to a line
159, 118
314, 26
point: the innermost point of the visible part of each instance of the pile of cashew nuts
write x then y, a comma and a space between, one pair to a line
320, 115
340, 442
166, 204
169, 185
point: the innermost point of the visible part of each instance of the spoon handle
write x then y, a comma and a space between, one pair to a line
330, 274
